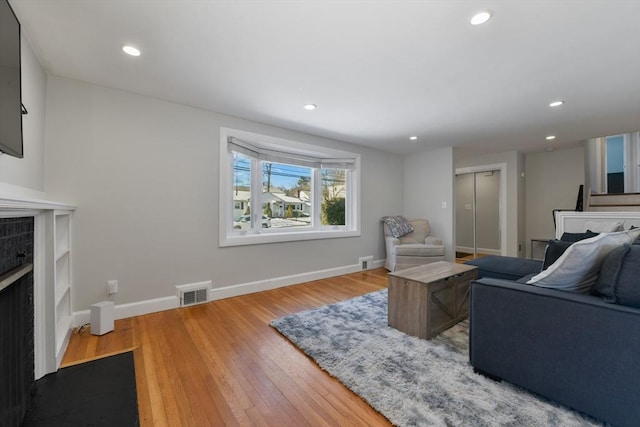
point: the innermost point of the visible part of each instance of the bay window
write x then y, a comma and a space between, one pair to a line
274, 190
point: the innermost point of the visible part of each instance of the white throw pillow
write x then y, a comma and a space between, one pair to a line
577, 268
604, 226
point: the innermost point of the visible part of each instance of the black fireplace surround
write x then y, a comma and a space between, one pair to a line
16, 321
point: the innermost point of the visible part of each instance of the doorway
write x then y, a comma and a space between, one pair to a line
478, 212
615, 161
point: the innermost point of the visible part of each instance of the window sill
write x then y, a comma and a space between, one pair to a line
258, 238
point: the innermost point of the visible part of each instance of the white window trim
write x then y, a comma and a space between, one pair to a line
230, 237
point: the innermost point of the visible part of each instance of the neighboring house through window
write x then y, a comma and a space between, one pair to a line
274, 190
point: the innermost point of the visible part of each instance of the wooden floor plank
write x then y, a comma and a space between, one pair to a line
220, 363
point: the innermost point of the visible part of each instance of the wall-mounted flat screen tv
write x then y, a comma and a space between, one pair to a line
10, 82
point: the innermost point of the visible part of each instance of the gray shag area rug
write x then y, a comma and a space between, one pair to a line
413, 382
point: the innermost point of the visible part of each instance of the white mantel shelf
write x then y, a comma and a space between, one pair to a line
21, 204
14, 197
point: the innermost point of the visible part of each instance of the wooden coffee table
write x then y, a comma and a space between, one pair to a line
426, 300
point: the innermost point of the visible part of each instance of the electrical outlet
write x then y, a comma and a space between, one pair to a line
112, 287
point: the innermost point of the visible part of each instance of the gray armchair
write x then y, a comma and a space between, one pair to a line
414, 248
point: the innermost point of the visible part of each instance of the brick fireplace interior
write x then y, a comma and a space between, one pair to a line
16, 319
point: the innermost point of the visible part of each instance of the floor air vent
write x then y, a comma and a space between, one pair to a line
195, 293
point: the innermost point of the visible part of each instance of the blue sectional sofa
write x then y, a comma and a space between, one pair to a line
580, 350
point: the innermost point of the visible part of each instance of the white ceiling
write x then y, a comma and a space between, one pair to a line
379, 71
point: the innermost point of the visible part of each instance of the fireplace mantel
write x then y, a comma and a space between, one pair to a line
51, 253
17, 205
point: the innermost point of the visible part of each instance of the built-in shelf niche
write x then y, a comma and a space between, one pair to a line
61, 251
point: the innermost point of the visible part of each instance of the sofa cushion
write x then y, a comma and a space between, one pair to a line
417, 249
504, 267
398, 225
553, 251
618, 279
576, 237
526, 278
577, 269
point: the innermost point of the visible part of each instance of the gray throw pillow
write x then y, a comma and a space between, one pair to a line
608, 274
576, 237
577, 269
398, 225
553, 251
618, 279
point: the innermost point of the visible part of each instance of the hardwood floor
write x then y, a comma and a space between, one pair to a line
461, 258
220, 363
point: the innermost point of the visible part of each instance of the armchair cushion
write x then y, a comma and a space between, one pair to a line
417, 249
429, 240
421, 230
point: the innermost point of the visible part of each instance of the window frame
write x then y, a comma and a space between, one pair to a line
230, 237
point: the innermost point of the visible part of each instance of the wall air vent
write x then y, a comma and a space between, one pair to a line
366, 262
194, 297
195, 293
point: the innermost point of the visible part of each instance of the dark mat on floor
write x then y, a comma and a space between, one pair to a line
97, 393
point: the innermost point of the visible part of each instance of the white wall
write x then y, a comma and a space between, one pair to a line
552, 182
515, 188
144, 176
27, 173
428, 183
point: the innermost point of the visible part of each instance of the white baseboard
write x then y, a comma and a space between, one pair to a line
139, 308
486, 251
278, 282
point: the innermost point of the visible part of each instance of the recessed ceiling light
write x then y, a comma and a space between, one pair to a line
310, 107
556, 103
130, 50
481, 17
550, 137
413, 138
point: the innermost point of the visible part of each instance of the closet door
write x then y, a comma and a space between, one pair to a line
465, 233
477, 214
487, 212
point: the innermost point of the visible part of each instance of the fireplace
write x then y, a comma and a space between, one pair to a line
16, 318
